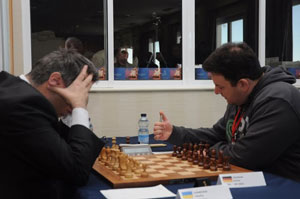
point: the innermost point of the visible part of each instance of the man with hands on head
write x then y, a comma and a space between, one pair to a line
260, 129
41, 156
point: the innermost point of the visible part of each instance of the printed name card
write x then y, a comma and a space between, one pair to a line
207, 192
237, 180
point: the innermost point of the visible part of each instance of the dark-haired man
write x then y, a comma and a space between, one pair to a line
260, 129
122, 60
40, 156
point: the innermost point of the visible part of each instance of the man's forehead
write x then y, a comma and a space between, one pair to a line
217, 76
219, 79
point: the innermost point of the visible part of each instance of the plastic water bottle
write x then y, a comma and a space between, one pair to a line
143, 135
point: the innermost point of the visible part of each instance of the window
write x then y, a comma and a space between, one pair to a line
230, 32
222, 34
282, 34
296, 33
162, 40
237, 30
77, 25
147, 40
219, 22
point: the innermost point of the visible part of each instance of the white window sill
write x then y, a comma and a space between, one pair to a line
148, 86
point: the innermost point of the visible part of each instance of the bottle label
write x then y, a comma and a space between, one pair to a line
144, 138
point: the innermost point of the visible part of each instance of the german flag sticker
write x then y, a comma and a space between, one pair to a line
227, 179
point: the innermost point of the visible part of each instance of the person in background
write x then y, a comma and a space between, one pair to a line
99, 59
261, 125
121, 59
41, 156
75, 44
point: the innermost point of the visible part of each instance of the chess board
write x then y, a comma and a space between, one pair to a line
162, 169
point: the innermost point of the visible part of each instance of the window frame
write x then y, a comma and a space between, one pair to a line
4, 37
188, 81
228, 21
295, 3
1, 40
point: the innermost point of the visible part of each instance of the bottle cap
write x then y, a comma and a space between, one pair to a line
143, 115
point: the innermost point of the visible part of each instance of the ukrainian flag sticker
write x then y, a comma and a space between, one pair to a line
187, 194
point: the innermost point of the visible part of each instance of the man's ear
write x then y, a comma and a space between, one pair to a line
244, 84
55, 80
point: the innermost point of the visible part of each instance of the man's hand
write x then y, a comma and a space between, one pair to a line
76, 94
163, 129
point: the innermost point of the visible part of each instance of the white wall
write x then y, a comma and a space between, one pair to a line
117, 113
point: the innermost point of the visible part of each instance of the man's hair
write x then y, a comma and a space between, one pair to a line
68, 63
74, 43
234, 61
124, 52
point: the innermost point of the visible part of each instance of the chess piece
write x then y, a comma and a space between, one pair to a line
190, 147
195, 147
108, 152
200, 160
206, 164
179, 155
213, 164
127, 140
206, 149
132, 163
190, 156
185, 146
122, 164
195, 158
220, 160
144, 173
138, 171
103, 156
174, 154
201, 148
113, 158
114, 142
213, 153
116, 165
128, 173
184, 154
226, 165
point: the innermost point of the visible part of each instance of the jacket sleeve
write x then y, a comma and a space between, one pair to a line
212, 135
33, 140
49, 148
274, 127
68, 159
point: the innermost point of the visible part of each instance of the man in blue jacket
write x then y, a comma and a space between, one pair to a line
260, 129
40, 156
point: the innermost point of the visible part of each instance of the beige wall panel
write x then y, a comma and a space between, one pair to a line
17, 38
117, 113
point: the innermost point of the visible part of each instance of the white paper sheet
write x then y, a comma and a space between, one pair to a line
158, 191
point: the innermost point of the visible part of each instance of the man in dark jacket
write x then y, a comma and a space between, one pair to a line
260, 129
40, 156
